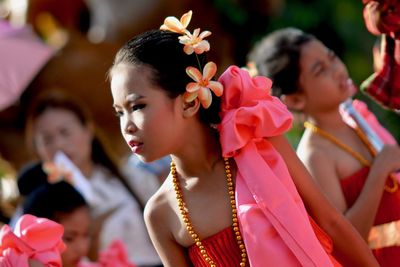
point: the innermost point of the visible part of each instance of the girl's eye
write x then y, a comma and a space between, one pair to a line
68, 239
118, 113
47, 140
64, 132
138, 107
319, 70
332, 55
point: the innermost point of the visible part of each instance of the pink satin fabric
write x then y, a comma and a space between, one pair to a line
273, 219
114, 256
33, 238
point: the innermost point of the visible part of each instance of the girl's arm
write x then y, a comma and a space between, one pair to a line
169, 251
347, 242
362, 213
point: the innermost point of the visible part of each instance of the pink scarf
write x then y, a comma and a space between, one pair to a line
34, 238
273, 220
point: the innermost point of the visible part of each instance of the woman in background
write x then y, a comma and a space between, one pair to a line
56, 122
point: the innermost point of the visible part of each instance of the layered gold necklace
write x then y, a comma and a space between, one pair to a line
186, 218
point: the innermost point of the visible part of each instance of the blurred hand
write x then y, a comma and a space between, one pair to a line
388, 160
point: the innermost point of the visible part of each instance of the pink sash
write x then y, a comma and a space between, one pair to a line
34, 238
273, 220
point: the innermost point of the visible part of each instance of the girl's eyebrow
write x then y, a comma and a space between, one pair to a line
129, 99
318, 63
133, 98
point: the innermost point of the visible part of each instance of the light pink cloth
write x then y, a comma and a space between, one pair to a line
371, 119
22, 56
114, 256
373, 122
33, 238
273, 220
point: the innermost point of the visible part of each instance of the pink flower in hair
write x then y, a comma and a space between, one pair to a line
202, 85
194, 42
172, 24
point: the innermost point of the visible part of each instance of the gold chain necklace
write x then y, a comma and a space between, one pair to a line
188, 223
359, 157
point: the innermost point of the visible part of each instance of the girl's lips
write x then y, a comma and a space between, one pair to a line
133, 143
135, 146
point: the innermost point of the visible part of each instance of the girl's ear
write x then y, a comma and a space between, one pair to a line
190, 109
294, 102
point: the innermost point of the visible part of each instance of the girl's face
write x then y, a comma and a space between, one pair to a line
323, 79
58, 129
151, 122
76, 236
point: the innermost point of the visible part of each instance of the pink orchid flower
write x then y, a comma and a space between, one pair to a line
172, 24
202, 85
194, 42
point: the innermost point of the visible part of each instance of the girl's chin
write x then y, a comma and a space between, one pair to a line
143, 158
147, 158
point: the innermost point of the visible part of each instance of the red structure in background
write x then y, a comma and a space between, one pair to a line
382, 18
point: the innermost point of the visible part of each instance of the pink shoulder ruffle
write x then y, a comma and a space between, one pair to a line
33, 238
249, 111
114, 256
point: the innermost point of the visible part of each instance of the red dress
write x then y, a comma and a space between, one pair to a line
388, 211
224, 251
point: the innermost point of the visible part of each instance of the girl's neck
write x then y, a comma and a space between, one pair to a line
87, 169
328, 121
200, 155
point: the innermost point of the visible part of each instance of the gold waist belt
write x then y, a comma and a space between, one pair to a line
384, 235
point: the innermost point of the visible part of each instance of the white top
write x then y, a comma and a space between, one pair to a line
126, 222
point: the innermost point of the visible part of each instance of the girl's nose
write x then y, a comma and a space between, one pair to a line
128, 126
59, 143
83, 247
339, 69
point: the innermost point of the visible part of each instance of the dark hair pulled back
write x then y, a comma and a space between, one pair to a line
162, 52
277, 57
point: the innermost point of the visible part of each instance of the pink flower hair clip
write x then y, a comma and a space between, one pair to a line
194, 43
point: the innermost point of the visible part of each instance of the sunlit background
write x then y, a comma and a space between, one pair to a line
86, 34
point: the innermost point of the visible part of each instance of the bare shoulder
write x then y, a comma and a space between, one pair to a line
158, 207
316, 154
160, 218
313, 149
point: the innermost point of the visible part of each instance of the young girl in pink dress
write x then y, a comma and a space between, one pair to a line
311, 79
231, 197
